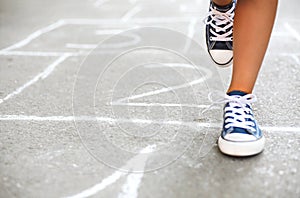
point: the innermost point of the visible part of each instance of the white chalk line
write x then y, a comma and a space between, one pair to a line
114, 31
162, 90
79, 21
173, 65
137, 121
293, 32
114, 50
171, 88
45, 118
29, 39
80, 46
36, 53
135, 39
280, 128
133, 181
35, 35
132, 184
82, 21
98, 187
109, 31
41, 75
101, 119
296, 59
141, 104
136, 9
58, 54
112, 21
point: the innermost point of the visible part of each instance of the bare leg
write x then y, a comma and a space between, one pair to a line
222, 2
253, 24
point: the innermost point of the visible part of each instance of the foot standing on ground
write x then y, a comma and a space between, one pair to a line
238, 31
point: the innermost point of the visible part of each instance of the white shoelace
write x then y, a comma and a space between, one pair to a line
219, 19
238, 113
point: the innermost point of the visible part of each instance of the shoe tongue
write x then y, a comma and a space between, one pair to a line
223, 8
239, 93
235, 92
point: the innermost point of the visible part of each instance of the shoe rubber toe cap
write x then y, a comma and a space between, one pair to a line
221, 57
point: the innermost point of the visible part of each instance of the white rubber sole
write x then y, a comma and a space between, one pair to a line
241, 148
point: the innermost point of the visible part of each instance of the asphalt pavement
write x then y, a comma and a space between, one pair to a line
105, 98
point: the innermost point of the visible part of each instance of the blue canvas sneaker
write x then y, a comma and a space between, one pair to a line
219, 33
241, 135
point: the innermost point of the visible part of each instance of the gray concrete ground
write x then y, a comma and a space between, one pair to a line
121, 123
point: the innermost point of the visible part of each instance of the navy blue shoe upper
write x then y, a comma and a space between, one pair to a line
238, 116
